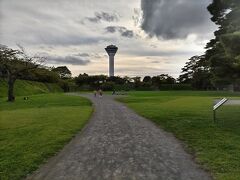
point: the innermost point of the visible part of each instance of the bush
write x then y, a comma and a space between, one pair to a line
107, 86
124, 87
41, 75
176, 87
68, 85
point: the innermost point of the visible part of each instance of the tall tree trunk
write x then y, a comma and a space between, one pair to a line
11, 81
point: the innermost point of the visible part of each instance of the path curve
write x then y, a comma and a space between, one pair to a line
119, 144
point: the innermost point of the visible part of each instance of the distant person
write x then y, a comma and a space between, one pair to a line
95, 93
114, 92
100, 93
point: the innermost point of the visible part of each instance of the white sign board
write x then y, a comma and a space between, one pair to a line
219, 103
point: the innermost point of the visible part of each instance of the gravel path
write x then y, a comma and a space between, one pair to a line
119, 144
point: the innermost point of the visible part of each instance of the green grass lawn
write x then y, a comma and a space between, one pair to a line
189, 116
31, 131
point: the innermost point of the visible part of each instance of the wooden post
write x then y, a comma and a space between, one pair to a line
214, 116
216, 106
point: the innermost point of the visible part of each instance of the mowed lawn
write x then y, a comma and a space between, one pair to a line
188, 115
33, 130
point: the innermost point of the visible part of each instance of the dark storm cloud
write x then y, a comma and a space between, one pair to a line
175, 19
122, 30
103, 16
111, 29
127, 33
72, 60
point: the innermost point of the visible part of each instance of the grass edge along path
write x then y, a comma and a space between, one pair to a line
34, 130
188, 115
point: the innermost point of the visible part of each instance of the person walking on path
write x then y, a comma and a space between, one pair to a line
95, 93
100, 93
114, 92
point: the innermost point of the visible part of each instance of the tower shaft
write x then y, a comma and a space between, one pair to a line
111, 65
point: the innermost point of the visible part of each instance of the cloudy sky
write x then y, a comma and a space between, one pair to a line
153, 36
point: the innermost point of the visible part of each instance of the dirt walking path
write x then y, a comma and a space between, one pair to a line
119, 144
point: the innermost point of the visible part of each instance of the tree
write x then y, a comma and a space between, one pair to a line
147, 79
166, 79
3, 72
136, 81
93, 81
82, 79
223, 52
161, 79
196, 72
127, 79
14, 63
189, 69
63, 72
43, 74
116, 79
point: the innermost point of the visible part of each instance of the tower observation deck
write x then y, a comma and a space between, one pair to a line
111, 50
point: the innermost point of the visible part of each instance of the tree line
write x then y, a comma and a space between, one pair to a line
163, 82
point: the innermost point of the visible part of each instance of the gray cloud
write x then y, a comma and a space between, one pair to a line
102, 16
90, 55
136, 16
44, 23
57, 37
122, 30
72, 60
82, 54
64, 39
138, 72
175, 19
99, 56
160, 53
